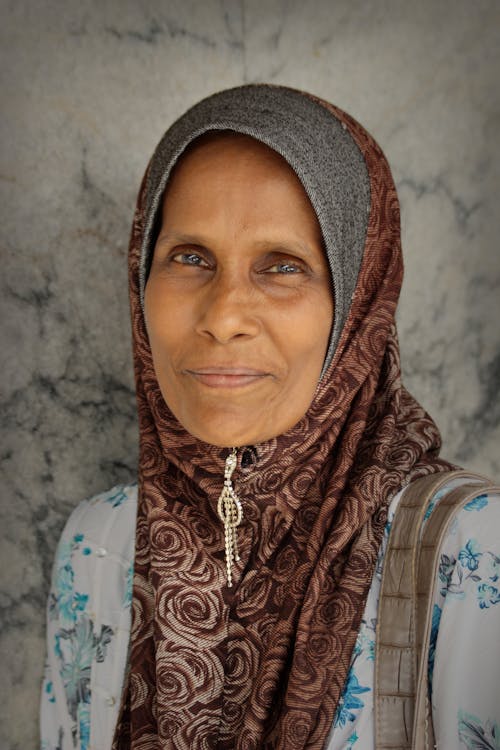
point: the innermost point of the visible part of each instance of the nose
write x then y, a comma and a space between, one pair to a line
229, 309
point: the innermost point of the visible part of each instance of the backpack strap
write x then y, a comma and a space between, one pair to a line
405, 600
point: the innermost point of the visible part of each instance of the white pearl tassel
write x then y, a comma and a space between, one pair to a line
231, 513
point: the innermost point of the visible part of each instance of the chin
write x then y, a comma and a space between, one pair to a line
227, 431
233, 425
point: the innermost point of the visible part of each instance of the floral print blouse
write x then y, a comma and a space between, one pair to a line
89, 614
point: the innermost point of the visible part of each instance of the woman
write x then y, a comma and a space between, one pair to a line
276, 439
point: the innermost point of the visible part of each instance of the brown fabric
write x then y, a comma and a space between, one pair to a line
262, 665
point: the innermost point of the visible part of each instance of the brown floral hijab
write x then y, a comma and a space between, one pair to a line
263, 664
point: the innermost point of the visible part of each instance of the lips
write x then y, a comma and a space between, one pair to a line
227, 377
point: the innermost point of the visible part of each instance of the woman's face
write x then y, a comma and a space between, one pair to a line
238, 302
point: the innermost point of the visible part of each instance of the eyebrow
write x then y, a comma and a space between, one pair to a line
265, 245
188, 239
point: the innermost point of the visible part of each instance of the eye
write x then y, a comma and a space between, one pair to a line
190, 259
285, 267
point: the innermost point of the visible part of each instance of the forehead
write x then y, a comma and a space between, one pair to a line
217, 149
234, 180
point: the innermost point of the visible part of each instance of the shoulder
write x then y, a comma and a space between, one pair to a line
469, 567
468, 571
108, 516
471, 514
477, 520
98, 538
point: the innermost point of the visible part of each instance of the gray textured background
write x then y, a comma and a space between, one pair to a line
87, 90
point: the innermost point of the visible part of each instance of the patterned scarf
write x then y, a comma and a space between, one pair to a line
263, 664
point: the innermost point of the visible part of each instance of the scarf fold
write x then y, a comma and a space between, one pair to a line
263, 664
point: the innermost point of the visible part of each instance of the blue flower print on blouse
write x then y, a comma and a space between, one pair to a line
65, 601
469, 555
447, 567
127, 594
478, 503
482, 568
487, 595
436, 619
474, 735
453, 573
84, 725
349, 701
76, 648
493, 567
117, 498
49, 689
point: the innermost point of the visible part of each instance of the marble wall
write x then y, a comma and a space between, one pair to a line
88, 88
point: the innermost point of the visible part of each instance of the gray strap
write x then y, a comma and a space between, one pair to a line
396, 656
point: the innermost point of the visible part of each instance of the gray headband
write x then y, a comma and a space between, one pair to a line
315, 144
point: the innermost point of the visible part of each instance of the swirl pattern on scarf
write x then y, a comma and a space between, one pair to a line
263, 664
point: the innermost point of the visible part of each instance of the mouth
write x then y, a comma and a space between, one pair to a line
227, 377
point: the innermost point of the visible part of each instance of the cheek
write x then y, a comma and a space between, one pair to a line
307, 334
304, 339
167, 320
